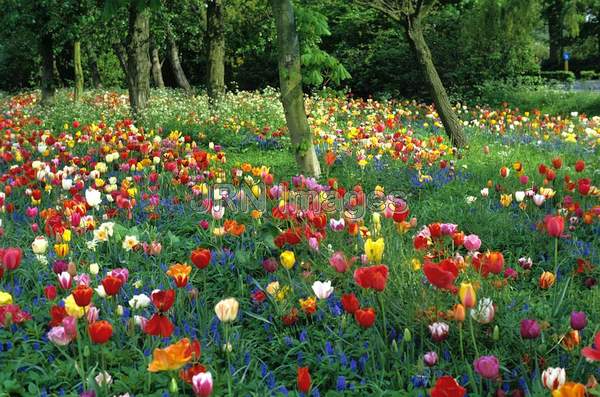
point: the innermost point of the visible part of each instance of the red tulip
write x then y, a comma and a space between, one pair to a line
50, 292
11, 257
163, 300
100, 331
490, 262
350, 303
200, 257
584, 185
82, 294
374, 277
159, 325
304, 380
112, 284
442, 275
579, 165
365, 317
446, 386
592, 353
555, 225
557, 163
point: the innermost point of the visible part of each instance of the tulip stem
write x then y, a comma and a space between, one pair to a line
460, 337
383, 316
555, 255
227, 353
80, 353
473, 336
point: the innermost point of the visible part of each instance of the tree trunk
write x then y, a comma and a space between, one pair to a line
555, 29
452, 124
215, 37
290, 80
173, 55
47, 72
138, 57
96, 82
78, 70
157, 69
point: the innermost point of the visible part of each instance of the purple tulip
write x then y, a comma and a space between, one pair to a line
578, 320
530, 329
270, 265
487, 367
60, 266
430, 359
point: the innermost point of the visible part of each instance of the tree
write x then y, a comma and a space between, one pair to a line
173, 55
157, 68
215, 38
138, 57
290, 81
411, 13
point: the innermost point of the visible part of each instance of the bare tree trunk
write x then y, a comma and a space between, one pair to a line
93, 59
138, 57
215, 37
452, 124
290, 80
157, 69
47, 72
78, 70
173, 55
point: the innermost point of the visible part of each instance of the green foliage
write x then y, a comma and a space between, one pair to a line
111, 73
558, 75
589, 75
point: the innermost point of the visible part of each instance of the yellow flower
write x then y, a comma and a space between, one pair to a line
467, 295
171, 357
272, 288
374, 249
416, 264
72, 308
5, 298
227, 309
506, 199
547, 280
287, 259
61, 250
66, 236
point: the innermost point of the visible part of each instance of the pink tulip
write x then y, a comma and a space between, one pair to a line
339, 262
202, 384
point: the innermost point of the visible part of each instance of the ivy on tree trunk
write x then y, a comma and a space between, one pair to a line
78, 70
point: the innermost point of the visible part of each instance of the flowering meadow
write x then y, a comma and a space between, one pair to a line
180, 255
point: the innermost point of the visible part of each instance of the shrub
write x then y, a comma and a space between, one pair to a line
589, 75
559, 75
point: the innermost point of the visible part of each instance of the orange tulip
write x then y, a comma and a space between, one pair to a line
570, 389
459, 312
571, 340
180, 273
171, 357
547, 280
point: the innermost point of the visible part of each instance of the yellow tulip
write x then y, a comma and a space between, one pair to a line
5, 298
287, 259
61, 249
72, 308
374, 249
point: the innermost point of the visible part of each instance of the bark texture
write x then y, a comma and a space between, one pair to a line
78, 70
451, 122
138, 58
215, 36
47, 72
173, 55
290, 80
157, 69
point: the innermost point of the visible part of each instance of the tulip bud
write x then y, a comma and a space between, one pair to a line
496, 333
394, 346
72, 269
407, 335
86, 351
173, 387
